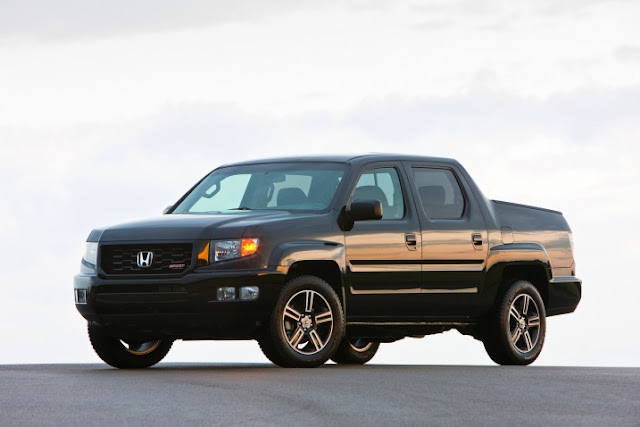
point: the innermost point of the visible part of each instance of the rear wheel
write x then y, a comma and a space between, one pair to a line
306, 326
355, 351
516, 331
127, 354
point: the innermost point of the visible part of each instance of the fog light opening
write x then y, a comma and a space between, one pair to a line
81, 296
249, 293
226, 294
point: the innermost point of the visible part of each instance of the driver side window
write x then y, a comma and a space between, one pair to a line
382, 184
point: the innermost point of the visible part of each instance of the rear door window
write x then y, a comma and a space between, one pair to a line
439, 192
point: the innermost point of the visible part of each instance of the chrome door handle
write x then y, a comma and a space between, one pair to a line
411, 241
477, 239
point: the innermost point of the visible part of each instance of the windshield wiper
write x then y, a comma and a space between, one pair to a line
241, 208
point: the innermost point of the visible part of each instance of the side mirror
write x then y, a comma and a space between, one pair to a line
365, 210
167, 209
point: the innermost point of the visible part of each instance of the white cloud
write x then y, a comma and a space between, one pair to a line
66, 20
304, 60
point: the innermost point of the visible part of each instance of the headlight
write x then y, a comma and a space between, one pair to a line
91, 253
229, 249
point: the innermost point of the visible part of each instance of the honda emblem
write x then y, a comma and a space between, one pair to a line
145, 258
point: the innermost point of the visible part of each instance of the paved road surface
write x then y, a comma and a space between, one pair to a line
189, 394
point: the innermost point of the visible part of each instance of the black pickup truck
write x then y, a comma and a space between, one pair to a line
326, 257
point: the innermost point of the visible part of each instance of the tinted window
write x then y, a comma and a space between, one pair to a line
439, 193
227, 192
296, 186
382, 184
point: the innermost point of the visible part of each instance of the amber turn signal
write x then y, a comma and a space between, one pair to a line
249, 247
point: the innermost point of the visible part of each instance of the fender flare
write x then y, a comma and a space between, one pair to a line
514, 254
286, 254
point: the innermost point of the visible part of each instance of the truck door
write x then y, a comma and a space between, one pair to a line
454, 240
383, 257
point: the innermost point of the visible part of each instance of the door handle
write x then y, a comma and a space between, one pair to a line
477, 239
411, 241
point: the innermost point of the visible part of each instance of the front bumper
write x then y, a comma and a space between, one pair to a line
182, 307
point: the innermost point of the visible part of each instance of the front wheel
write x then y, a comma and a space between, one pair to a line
306, 326
126, 354
515, 333
355, 351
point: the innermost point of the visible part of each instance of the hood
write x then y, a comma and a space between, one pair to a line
189, 226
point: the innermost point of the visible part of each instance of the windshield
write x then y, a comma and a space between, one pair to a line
275, 186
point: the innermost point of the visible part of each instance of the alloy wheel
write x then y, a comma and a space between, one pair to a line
140, 349
307, 322
524, 323
360, 345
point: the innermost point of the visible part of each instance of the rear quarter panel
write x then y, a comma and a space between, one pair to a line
549, 229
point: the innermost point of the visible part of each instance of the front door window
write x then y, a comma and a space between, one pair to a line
382, 184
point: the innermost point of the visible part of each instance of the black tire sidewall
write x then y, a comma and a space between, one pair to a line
288, 356
269, 350
113, 352
347, 355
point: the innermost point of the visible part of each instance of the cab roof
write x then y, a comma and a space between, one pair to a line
346, 158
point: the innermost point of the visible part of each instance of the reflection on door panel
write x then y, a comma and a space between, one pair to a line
383, 263
453, 232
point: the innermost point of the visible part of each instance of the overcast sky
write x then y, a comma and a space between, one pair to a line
109, 111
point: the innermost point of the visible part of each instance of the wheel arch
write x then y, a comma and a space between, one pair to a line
327, 270
535, 273
320, 258
519, 261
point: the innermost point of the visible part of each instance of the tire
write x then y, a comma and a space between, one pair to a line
355, 351
269, 350
123, 355
306, 326
516, 330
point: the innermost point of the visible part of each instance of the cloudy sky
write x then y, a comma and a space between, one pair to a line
109, 111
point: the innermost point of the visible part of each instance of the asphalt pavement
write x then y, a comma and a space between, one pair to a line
372, 395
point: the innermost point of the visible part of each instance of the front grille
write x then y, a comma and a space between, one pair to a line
172, 258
